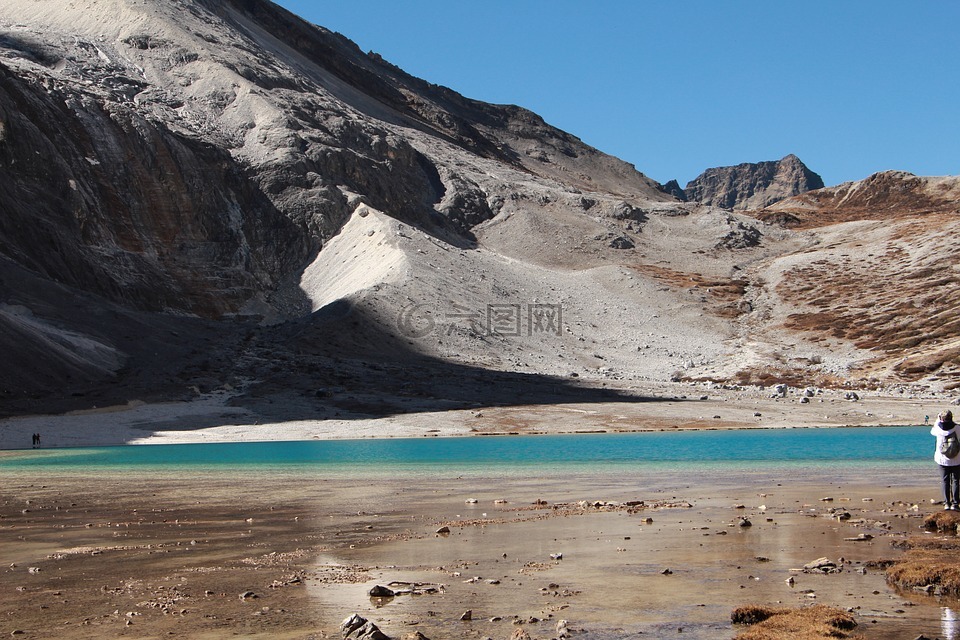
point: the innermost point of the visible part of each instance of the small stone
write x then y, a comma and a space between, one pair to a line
379, 591
443, 531
246, 595
467, 616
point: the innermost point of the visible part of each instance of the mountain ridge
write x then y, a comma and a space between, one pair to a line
284, 211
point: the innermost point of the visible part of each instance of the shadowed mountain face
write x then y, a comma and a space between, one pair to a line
186, 183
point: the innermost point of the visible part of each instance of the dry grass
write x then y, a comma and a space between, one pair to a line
930, 563
884, 299
807, 623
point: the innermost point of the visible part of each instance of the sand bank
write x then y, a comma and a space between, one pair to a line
218, 417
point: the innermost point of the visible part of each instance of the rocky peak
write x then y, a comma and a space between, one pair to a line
751, 186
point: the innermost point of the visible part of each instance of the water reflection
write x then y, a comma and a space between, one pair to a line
948, 623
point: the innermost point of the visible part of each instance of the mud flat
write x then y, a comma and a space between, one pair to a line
291, 555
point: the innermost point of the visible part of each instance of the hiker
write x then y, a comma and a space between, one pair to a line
946, 455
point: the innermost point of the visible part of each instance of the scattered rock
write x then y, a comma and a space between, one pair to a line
863, 537
822, 565
379, 591
361, 629
247, 595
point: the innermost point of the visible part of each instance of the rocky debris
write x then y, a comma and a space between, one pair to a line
752, 186
622, 242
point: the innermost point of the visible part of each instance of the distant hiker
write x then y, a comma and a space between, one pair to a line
947, 455
36, 440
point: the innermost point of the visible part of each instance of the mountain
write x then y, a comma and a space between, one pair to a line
214, 196
752, 185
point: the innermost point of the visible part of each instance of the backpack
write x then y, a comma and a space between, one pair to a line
950, 446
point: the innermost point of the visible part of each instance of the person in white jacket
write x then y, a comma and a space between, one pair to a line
949, 467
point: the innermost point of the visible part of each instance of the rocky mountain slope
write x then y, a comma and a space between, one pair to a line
752, 185
214, 194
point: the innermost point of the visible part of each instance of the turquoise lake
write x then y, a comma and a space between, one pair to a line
882, 448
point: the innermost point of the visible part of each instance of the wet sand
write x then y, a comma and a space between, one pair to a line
131, 556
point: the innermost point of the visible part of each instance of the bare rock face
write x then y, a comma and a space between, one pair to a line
752, 186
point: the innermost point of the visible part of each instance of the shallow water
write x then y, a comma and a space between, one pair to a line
871, 449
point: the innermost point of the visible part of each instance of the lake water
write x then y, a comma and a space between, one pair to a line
897, 449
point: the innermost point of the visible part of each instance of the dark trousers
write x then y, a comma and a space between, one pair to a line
951, 484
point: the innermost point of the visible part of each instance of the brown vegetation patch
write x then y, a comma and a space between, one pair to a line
930, 565
886, 301
807, 623
882, 196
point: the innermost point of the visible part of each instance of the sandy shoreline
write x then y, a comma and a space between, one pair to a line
216, 418
115, 556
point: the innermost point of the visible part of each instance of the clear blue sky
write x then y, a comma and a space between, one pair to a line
851, 87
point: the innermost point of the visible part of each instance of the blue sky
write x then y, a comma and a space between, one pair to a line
851, 87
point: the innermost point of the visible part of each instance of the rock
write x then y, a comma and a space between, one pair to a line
351, 624
370, 631
781, 390
752, 186
851, 395
863, 537
467, 616
822, 565
520, 634
666, 572
443, 530
361, 629
247, 595
804, 400
379, 591
622, 242
745, 522
556, 556
416, 635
